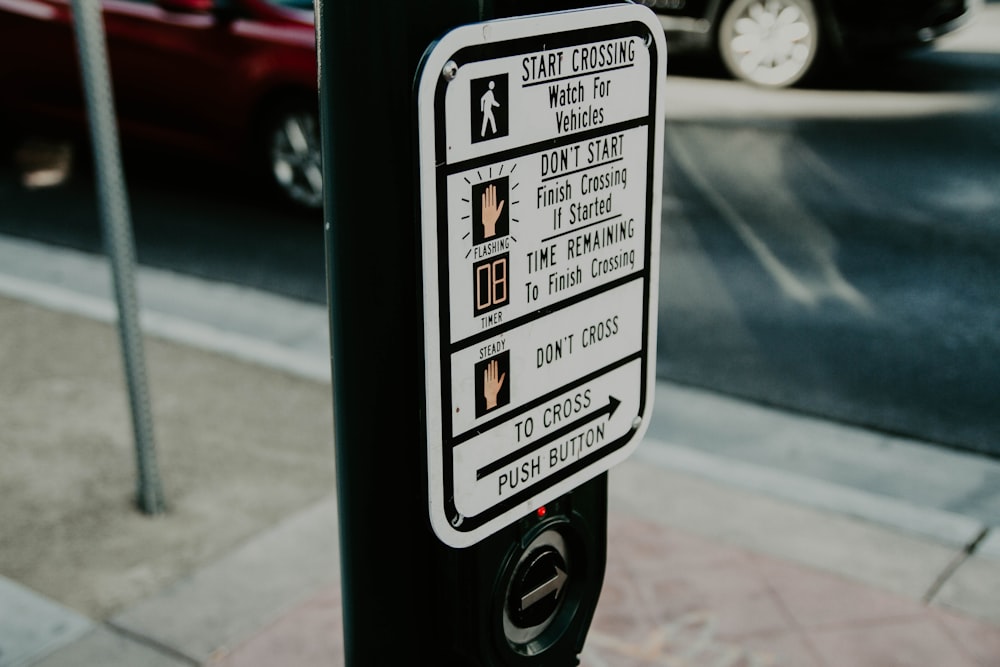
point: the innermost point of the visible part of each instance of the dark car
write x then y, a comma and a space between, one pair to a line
230, 80
776, 43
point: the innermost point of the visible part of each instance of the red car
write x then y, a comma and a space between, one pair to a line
231, 80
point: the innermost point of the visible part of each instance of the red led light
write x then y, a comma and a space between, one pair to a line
541, 511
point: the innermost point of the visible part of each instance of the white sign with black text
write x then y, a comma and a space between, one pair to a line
540, 163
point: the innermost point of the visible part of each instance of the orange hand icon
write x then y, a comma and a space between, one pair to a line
492, 384
491, 211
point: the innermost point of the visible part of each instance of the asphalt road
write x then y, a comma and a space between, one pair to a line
833, 251
196, 218
837, 251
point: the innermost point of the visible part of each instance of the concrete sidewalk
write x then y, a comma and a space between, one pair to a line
713, 561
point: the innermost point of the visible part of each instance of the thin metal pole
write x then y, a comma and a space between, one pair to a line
118, 240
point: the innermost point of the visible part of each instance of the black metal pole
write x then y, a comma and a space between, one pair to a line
407, 597
369, 54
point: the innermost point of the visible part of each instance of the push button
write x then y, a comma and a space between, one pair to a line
537, 587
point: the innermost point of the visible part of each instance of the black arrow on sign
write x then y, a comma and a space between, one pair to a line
608, 410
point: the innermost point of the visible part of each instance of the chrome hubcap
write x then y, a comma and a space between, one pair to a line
296, 160
772, 41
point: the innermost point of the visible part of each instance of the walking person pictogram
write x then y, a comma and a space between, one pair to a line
489, 108
486, 104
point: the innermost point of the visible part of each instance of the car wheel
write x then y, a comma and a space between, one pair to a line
294, 155
771, 43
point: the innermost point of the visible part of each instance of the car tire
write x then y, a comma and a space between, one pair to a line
769, 43
293, 154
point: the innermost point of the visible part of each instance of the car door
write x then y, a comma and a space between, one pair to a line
174, 72
171, 69
39, 74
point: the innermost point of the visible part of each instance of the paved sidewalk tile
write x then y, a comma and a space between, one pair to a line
308, 636
105, 648
974, 587
675, 599
240, 447
893, 643
826, 541
980, 640
228, 600
32, 626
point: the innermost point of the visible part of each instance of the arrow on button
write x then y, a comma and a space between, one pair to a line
553, 585
608, 410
